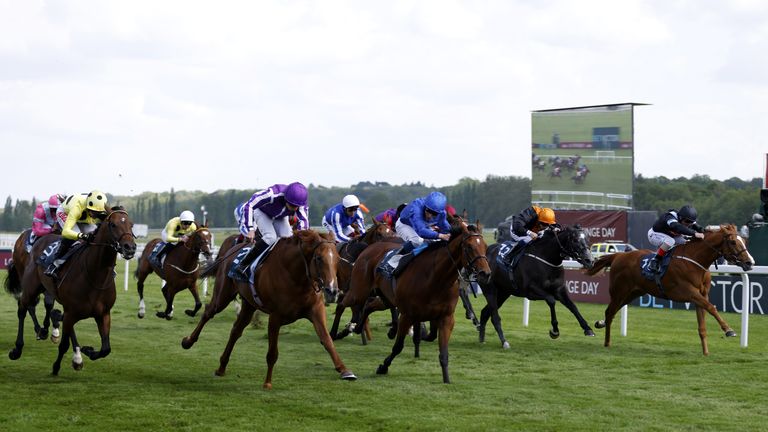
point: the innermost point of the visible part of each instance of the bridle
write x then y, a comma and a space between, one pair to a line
565, 252
315, 262
735, 251
465, 253
196, 246
115, 242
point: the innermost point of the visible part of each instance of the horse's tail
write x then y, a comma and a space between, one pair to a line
12, 281
601, 263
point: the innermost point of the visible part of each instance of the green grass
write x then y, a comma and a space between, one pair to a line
654, 379
577, 125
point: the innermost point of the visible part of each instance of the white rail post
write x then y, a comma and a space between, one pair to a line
746, 302
624, 320
125, 280
526, 310
205, 287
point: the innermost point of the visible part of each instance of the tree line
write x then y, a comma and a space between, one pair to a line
489, 200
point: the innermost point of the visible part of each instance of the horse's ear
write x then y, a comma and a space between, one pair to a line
464, 214
479, 225
375, 222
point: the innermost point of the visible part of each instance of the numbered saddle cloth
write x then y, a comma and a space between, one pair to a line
645, 261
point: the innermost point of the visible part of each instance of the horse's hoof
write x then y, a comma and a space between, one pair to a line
600, 324
219, 372
88, 351
14, 354
506, 345
382, 370
42, 334
267, 386
190, 312
554, 334
348, 376
589, 332
481, 335
140, 315
77, 366
55, 339
160, 314
730, 333
186, 343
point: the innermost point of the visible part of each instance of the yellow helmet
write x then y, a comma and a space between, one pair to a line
96, 201
547, 216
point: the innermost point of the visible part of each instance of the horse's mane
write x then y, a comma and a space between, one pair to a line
709, 231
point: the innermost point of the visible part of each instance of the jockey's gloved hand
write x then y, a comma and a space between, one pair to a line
86, 237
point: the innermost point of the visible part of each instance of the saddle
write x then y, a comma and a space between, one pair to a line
50, 253
514, 250
393, 265
255, 265
663, 265
156, 261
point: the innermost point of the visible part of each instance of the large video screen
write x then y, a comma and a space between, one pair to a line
583, 157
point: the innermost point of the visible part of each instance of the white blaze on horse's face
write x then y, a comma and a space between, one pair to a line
122, 219
331, 252
744, 246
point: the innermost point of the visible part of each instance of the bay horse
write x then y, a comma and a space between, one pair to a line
19, 262
85, 286
687, 278
180, 270
539, 275
348, 253
290, 284
426, 291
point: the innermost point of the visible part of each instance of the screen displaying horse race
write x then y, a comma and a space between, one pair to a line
583, 157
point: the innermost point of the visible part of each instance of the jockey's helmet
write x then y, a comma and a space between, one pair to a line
53, 201
96, 201
296, 194
547, 216
187, 216
687, 214
350, 201
435, 202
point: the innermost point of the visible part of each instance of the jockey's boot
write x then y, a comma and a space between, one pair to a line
61, 256
654, 265
257, 249
400, 259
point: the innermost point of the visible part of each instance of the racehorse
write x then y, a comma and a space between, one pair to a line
348, 253
538, 275
687, 278
289, 285
426, 291
85, 286
16, 268
179, 270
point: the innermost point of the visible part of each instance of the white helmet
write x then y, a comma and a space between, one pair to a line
187, 216
350, 201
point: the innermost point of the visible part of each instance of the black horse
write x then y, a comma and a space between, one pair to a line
538, 275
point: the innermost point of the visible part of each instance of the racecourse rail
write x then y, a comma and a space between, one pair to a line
746, 296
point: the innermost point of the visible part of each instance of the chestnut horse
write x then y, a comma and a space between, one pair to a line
687, 278
85, 286
15, 272
180, 270
426, 291
539, 275
289, 285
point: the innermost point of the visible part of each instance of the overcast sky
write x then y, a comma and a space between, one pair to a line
147, 95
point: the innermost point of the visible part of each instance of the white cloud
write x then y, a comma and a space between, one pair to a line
336, 92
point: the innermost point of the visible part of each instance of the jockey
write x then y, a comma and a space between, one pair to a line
526, 227
388, 217
424, 218
340, 218
270, 210
45, 217
176, 230
668, 231
79, 217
